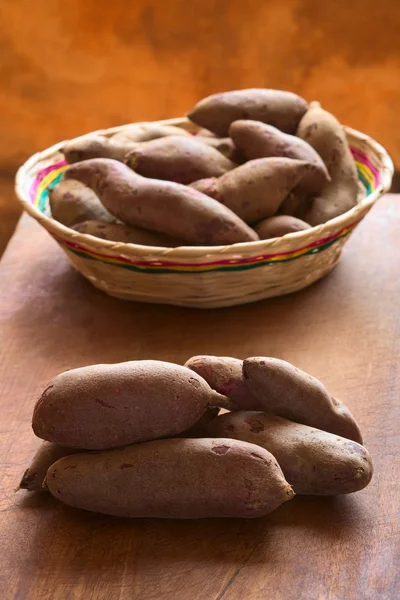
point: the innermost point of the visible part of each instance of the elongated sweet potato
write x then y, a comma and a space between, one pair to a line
224, 375
179, 478
96, 146
279, 108
179, 159
256, 189
105, 406
258, 140
324, 133
72, 202
144, 132
288, 392
279, 225
224, 145
46, 455
171, 208
118, 232
313, 461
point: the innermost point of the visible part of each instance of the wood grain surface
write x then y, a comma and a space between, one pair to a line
344, 329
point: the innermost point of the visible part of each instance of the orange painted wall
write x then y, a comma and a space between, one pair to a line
69, 67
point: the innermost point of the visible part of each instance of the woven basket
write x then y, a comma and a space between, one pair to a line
205, 277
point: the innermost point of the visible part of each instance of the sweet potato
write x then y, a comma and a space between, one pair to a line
105, 406
46, 455
288, 392
281, 109
224, 375
118, 232
326, 135
256, 189
179, 159
199, 429
144, 132
279, 225
258, 140
179, 479
224, 145
163, 206
96, 146
72, 202
312, 461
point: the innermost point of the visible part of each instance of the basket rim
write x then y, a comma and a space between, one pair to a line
59, 230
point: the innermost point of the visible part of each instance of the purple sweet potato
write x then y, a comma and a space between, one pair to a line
279, 108
163, 206
46, 455
327, 136
313, 461
145, 132
179, 159
72, 202
119, 232
175, 478
106, 406
258, 140
288, 392
255, 190
224, 375
279, 225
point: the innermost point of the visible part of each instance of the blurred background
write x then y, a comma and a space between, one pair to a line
71, 67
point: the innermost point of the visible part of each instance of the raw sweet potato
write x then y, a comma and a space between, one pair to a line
281, 109
72, 202
288, 392
256, 189
326, 135
96, 146
258, 140
171, 208
179, 478
199, 429
118, 232
46, 455
279, 225
105, 406
224, 375
224, 145
144, 132
179, 159
313, 461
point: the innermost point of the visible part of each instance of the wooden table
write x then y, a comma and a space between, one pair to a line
345, 330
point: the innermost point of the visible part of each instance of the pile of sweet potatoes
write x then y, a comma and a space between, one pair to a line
262, 164
145, 438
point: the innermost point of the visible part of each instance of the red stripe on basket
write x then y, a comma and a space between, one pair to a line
249, 260
367, 162
41, 175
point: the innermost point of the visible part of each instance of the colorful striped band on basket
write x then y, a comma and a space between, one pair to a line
51, 175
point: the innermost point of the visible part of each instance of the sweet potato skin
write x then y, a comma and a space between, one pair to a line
71, 202
179, 159
174, 478
106, 406
127, 234
279, 108
327, 136
279, 225
313, 461
255, 190
147, 131
163, 206
224, 374
258, 140
45, 456
288, 392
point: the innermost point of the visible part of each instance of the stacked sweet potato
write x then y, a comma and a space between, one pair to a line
263, 163
144, 439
